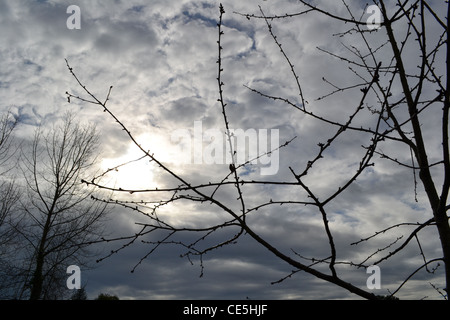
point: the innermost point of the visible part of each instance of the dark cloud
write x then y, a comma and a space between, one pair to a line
161, 61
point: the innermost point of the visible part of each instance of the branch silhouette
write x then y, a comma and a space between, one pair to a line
394, 120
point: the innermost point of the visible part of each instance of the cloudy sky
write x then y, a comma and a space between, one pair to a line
160, 57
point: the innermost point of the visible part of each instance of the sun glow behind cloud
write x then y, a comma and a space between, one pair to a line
134, 170
129, 171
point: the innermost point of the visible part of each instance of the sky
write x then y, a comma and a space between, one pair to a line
160, 57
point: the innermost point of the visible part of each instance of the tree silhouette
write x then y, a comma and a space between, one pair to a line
79, 294
60, 217
106, 296
9, 198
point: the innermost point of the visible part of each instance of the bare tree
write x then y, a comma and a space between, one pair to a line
7, 152
60, 216
395, 122
9, 197
8, 194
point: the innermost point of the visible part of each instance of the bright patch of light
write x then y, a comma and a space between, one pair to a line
127, 172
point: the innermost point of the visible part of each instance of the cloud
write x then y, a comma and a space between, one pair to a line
161, 61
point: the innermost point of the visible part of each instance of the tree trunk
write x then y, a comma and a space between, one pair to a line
36, 282
444, 235
438, 204
38, 279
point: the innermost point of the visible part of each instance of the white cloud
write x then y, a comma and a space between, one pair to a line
161, 61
